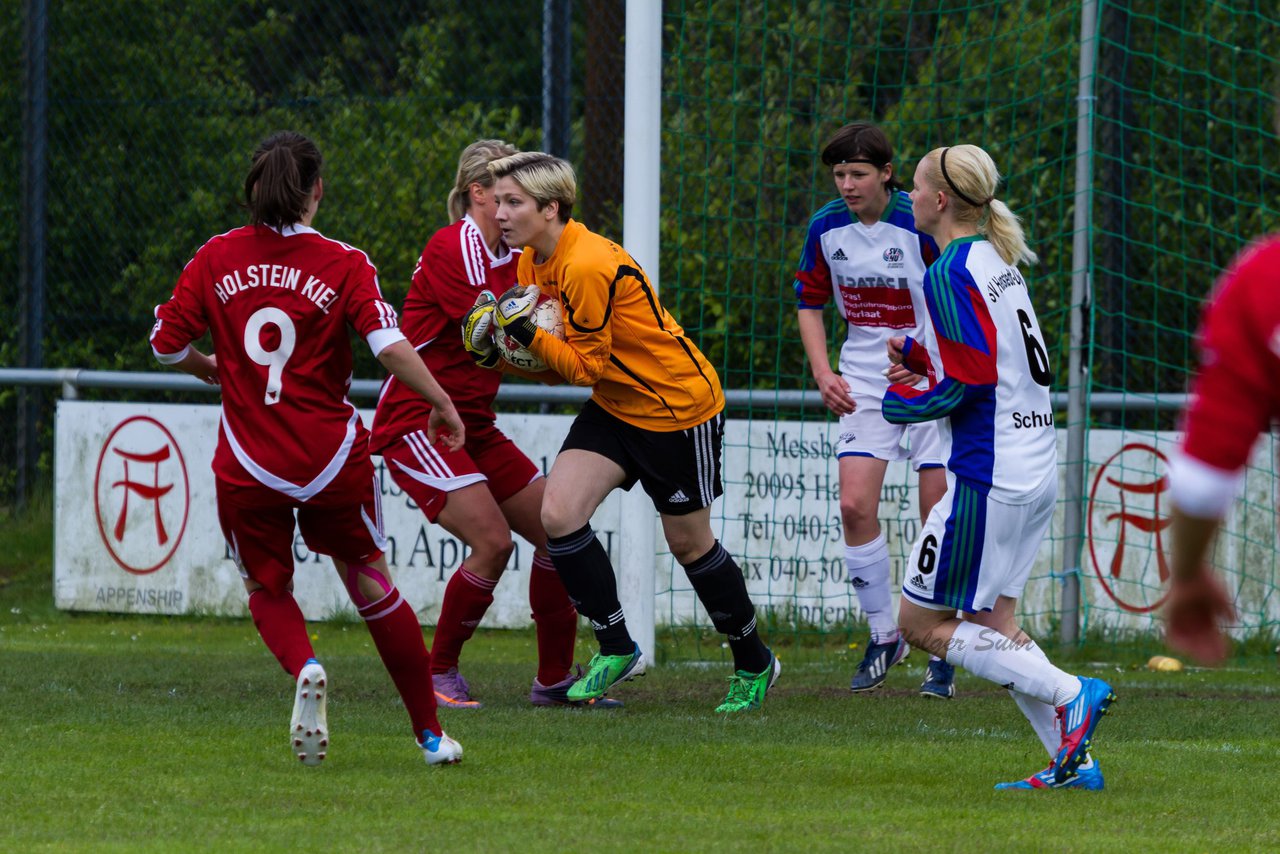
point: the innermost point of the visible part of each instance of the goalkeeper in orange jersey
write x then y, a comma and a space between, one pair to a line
656, 416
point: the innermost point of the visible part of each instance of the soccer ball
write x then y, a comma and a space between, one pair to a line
548, 315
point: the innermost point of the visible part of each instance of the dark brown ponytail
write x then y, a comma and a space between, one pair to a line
284, 171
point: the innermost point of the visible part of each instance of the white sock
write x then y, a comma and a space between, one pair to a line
1042, 717
987, 653
868, 566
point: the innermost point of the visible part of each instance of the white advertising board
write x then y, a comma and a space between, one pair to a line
136, 526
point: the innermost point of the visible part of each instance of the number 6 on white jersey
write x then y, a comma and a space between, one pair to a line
272, 360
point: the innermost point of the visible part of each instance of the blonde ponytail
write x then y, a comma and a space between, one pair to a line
473, 168
968, 175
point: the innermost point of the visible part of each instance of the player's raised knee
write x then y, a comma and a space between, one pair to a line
558, 519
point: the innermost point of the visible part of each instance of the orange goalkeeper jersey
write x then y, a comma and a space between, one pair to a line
618, 337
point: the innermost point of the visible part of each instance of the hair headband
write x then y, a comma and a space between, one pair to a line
954, 188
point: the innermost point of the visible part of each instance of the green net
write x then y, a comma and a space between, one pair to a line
1185, 174
1184, 171
153, 106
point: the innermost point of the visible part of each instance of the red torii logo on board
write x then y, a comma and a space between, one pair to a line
141, 494
1124, 504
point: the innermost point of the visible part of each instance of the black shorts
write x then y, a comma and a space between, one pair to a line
679, 470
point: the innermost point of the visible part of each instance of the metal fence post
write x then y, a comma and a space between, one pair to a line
1078, 361
556, 63
31, 267
640, 234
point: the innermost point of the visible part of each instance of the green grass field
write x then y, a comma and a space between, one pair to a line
130, 733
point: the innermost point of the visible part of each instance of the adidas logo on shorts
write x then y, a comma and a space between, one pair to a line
917, 581
839, 255
678, 498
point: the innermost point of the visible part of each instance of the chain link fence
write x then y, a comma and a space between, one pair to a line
134, 124
137, 121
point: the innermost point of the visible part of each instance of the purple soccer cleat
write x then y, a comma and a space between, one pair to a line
452, 691
558, 694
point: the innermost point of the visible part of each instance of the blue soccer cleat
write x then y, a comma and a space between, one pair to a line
1088, 777
1078, 720
875, 665
939, 680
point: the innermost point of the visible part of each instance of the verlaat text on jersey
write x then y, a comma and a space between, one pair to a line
273, 276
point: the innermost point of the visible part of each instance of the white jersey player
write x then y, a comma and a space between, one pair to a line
863, 252
999, 435
977, 547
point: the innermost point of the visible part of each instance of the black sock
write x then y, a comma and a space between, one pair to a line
718, 581
588, 577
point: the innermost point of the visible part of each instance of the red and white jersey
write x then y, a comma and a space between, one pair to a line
455, 267
1236, 395
875, 275
277, 304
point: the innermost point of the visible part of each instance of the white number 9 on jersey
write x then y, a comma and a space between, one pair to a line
272, 360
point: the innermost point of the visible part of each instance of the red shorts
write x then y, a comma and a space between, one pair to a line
428, 473
344, 521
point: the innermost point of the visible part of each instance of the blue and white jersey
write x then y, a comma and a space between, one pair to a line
875, 273
994, 400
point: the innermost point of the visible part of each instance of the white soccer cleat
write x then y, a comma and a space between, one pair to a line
309, 728
440, 749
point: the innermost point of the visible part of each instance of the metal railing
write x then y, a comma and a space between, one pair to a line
72, 380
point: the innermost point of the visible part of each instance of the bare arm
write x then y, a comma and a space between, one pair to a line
813, 335
1198, 605
406, 365
200, 366
1191, 538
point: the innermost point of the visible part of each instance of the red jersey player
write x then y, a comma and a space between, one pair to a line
277, 297
1235, 397
482, 491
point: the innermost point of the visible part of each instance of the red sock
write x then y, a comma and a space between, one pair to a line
466, 598
556, 620
283, 629
398, 638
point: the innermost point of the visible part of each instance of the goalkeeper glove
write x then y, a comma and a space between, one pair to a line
514, 313
477, 332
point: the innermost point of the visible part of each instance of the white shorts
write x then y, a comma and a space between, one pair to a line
865, 433
974, 549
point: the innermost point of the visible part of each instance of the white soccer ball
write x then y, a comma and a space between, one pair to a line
548, 315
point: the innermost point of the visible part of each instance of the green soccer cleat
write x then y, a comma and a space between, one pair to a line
604, 672
747, 690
